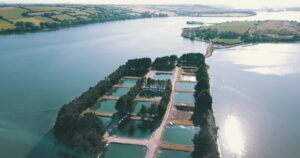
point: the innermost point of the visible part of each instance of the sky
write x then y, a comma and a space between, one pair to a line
231, 3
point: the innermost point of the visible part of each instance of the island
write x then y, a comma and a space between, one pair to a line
137, 106
241, 32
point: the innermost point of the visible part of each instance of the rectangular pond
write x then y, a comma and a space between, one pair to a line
163, 75
134, 129
128, 81
106, 105
105, 120
140, 104
184, 97
172, 154
185, 85
179, 134
188, 78
118, 92
116, 150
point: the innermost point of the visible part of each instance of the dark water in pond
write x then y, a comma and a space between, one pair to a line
106, 105
173, 154
120, 150
179, 134
42, 71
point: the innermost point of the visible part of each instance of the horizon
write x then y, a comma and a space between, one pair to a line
237, 4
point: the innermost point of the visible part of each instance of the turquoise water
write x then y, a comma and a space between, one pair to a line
42, 71
185, 85
173, 154
106, 120
162, 76
139, 105
184, 97
128, 82
118, 92
179, 134
106, 105
115, 150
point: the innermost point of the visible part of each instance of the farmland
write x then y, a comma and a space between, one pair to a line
238, 32
20, 18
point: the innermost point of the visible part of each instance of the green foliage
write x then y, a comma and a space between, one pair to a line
75, 130
191, 59
137, 67
162, 107
166, 63
125, 103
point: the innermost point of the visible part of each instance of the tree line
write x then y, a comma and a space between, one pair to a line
166, 63
102, 14
82, 133
205, 142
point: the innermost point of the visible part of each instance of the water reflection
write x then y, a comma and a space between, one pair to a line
266, 59
234, 136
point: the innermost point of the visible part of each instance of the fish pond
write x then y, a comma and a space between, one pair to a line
116, 150
172, 154
188, 78
185, 85
106, 105
184, 97
128, 82
140, 104
179, 134
106, 120
162, 76
134, 129
118, 92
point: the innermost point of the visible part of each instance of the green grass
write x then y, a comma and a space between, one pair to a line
36, 20
63, 17
235, 26
226, 41
48, 8
11, 12
4, 25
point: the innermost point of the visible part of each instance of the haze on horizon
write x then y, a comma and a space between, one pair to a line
243, 4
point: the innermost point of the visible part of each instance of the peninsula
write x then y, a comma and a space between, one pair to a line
242, 32
144, 102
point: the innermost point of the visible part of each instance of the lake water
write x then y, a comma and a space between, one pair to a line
42, 71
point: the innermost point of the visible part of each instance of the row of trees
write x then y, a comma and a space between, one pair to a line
205, 142
125, 104
82, 133
166, 63
191, 59
209, 33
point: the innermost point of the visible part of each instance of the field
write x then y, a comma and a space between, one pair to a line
4, 25
63, 17
11, 12
36, 20
47, 8
57, 16
235, 26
